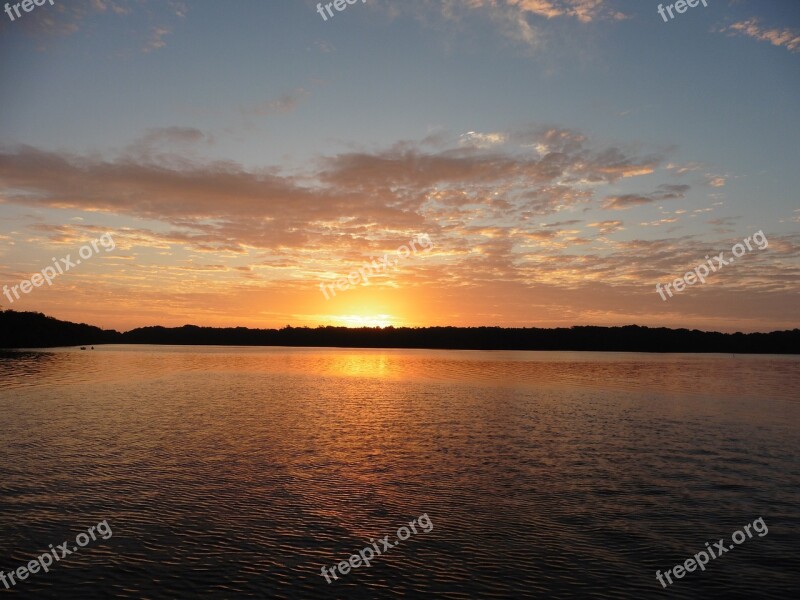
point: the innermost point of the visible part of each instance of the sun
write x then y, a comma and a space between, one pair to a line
365, 320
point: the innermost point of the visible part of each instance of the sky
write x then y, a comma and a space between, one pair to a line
535, 163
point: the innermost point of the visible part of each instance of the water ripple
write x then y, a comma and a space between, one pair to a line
239, 473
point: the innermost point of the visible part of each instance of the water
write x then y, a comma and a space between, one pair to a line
241, 472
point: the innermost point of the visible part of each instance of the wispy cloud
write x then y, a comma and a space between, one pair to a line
664, 192
482, 140
784, 38
68, 18
156, 40
607, 227
520, 21
583, 10
157, 142
286, 103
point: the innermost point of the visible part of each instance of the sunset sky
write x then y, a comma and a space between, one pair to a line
563, 157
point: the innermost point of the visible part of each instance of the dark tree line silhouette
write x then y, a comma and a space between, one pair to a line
35, 330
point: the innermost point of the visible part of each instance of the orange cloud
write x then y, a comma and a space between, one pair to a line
783, 38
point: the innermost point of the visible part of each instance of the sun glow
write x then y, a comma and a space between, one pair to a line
365, 320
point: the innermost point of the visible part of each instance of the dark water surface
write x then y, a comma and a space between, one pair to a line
240, 472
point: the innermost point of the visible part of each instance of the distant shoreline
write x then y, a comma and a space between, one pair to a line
28, 330
732, 356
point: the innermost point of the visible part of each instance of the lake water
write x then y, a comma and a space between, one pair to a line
241, 472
